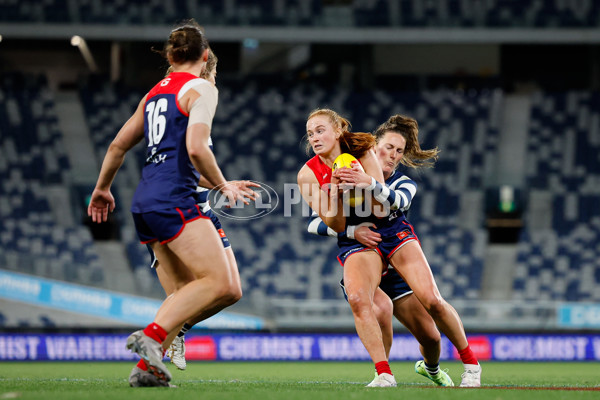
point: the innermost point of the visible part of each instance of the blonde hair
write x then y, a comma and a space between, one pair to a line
355, 143
211, 64
414, 156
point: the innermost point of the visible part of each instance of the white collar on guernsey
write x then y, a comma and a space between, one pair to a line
190, 84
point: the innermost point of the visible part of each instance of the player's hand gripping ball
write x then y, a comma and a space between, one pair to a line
353, 198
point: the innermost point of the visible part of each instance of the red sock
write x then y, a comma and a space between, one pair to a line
467, 356
142, 365
155, 332
383, 367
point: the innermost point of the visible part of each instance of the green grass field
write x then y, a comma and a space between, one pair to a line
294, 381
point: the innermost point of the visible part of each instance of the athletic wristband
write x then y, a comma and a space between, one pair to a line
350, 231
373, 184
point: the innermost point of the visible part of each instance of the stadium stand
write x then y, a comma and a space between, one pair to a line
563, 147
258, 135
32, 239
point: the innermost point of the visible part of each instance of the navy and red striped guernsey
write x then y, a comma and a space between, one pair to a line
168, 178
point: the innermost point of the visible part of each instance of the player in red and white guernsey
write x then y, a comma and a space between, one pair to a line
175, 119
329, 136
327, 132
394, 297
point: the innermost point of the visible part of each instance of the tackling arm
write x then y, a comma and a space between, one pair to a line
328, 206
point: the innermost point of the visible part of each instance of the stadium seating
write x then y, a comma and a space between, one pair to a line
554, 266
563, 148
258, 132
32, 240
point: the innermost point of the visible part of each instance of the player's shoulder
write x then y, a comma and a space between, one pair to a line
315, 166
304, 172
200, 85
307, 174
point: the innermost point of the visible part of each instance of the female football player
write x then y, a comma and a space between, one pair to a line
329, 136
399, 245
175, 119
392, 289
175, 341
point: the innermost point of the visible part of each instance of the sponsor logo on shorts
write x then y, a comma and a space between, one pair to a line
402, 235
346, 254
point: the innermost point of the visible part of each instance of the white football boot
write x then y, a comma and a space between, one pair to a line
472, 376
176, 352
383, 380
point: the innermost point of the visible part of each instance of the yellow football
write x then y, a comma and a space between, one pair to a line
345, 160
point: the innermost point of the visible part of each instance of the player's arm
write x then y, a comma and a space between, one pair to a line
202, 156
203, 182
391, 198
244, 186
205, 162
401, 193
329, 206
316, 226
201, 103
366, 180
362, 232
132, 132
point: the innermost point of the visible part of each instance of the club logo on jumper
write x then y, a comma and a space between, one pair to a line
156, 158
265, 201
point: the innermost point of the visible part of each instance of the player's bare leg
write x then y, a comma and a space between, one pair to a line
383, 307
411, 264
199, 248
213, 288
362, 274
175, 342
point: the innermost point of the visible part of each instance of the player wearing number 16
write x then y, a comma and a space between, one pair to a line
175, 119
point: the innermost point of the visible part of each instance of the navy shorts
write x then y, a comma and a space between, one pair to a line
216, 223
391, 283
386, 248
394, 285
164, 225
